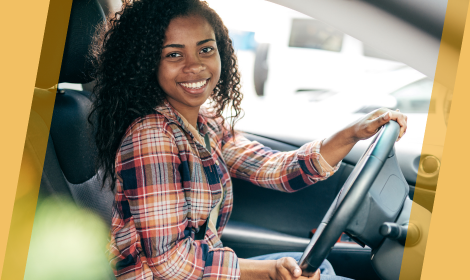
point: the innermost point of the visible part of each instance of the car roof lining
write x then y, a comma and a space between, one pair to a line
427, 15
381, 29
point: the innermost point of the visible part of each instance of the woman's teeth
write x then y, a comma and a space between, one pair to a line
194, 85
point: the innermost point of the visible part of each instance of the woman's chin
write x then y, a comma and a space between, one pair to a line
188, 102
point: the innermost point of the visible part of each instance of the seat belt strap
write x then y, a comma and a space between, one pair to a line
212, 220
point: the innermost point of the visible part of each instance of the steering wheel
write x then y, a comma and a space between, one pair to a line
349, 208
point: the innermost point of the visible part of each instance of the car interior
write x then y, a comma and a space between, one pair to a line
263, 221
69, 168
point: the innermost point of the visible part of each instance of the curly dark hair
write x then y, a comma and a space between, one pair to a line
126, 53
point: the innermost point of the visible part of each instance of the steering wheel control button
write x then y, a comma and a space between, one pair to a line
400, 233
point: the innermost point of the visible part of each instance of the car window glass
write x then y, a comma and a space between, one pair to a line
313, 34
414, 98
291, 62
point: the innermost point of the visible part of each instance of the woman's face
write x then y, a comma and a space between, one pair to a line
190, 64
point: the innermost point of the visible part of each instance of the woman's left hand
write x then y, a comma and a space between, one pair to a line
336, 147
369, 125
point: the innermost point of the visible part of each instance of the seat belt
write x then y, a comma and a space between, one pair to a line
212, 220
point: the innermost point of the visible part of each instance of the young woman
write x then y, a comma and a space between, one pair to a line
170, 161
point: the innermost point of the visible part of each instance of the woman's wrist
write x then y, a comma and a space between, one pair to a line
349, 135
257, 269
337, 146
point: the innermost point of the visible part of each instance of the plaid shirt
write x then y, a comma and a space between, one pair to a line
167, 186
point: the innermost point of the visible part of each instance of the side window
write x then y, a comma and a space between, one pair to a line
312, 34
415, 97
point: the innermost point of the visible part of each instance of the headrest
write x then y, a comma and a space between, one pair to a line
85, 16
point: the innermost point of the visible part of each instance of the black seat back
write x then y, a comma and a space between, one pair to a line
69, 167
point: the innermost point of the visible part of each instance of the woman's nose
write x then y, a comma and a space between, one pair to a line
194, 65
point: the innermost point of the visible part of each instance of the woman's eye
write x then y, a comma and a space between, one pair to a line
173, 55
207, 49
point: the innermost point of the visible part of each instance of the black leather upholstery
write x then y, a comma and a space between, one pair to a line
73, 150
85, 16
53, 181
73, 135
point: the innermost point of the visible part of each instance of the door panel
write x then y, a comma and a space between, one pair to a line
290, 213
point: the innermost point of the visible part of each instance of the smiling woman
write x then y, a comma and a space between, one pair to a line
129, 83
190, 67
171, 161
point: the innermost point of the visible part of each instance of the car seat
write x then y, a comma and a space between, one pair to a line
69, 166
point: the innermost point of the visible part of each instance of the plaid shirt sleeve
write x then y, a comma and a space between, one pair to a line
283, 171
150, 237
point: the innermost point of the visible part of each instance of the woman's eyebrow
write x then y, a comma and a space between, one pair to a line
174, 46
182, 46
204, 41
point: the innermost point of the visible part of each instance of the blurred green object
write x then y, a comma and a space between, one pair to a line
67, 243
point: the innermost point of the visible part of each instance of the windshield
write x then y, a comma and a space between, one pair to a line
310, 71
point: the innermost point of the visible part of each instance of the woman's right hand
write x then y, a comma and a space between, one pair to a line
287, 269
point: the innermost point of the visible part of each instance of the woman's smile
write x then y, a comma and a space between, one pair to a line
195, 87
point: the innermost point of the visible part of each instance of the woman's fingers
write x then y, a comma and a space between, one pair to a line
291, 265
370, 124
384, 118
402, 121
403, 130
316, 276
